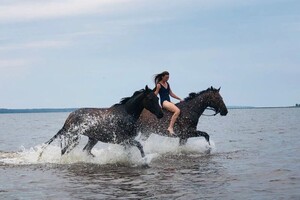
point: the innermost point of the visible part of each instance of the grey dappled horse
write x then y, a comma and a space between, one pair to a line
116, 124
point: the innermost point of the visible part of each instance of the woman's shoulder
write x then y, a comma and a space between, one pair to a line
168, 84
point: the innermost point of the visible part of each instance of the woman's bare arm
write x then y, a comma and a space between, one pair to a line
157, 89
174, 95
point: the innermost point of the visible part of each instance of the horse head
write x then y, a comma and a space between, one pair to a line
141, 99
216, 101
150, 102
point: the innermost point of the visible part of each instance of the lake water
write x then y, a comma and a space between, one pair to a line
255, 154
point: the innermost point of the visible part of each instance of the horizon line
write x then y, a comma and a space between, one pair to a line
48, 110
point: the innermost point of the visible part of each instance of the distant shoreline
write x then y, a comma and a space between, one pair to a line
35, 110
54, 110
263, 107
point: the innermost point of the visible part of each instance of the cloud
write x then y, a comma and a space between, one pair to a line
34, 10
8, 63
28, 10
36, 45
13, 68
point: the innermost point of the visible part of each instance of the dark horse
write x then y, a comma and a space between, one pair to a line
186, 125
116, 124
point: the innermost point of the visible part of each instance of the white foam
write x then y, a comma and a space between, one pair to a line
162, 145
154, 147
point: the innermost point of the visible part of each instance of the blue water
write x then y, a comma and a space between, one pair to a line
254, 155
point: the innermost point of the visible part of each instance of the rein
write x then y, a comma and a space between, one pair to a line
209, 108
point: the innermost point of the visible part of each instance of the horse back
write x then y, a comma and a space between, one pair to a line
78, 116
148, 122
110, 125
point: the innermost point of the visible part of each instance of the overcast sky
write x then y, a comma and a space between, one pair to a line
91, 53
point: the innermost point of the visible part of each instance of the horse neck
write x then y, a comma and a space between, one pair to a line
134, 106
199, 104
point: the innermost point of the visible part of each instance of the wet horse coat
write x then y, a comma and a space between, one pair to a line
116, 124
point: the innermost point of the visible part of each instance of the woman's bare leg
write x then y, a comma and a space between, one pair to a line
173, 108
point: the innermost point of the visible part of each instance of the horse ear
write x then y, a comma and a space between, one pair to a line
211, 87
219, 89
146, 88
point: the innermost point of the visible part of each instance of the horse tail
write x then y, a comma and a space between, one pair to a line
69, 142
59, 133
45, 145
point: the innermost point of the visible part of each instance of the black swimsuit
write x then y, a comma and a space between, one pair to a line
164, 93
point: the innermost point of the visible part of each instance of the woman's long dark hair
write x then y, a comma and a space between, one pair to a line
158, 77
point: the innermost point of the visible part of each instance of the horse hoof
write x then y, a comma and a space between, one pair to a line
89, 154
145, 166
145, 163
208, 151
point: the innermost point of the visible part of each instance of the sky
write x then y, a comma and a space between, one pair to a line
92, 53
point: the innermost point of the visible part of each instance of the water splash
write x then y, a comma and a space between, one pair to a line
162, 145
154, 147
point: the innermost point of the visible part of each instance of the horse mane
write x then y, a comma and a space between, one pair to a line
193, 94
126, 99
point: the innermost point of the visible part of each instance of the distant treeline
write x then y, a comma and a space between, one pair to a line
36, 110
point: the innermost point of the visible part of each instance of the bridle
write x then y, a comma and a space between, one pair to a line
210, 108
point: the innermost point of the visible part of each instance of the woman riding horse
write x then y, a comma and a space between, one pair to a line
186, 125
164, 90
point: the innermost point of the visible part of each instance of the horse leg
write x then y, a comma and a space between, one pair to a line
196, 133
88, 147
203, 134
182, 141
138, 145
70, 144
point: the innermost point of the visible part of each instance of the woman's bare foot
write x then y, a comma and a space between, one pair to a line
171, 131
